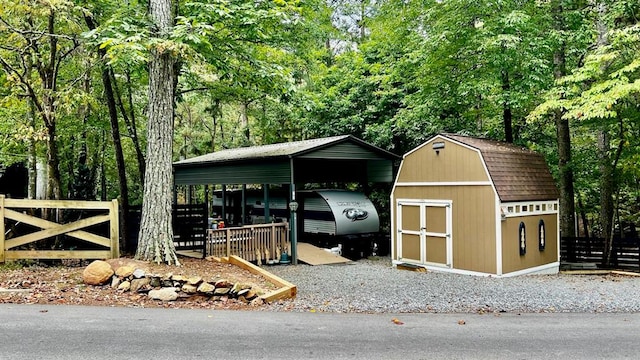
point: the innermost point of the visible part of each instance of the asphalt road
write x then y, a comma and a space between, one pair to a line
70, 332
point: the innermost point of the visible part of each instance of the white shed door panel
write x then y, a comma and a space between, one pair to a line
424, 232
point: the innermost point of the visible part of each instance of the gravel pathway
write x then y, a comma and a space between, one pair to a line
374, 286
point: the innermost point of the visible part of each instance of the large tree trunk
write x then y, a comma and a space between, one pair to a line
563, 140
606, 164
130, 121
565, 170
156, 233
507, 114
606, 194
117, 144
54, 188
244, 121
33, 157
33, 160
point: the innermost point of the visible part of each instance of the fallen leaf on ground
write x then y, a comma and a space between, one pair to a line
396, 321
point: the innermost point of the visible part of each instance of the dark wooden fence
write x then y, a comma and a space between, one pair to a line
189, 227
625, 254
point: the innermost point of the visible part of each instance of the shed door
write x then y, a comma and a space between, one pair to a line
424, 232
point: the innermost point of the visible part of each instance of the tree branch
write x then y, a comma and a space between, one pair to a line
193, 90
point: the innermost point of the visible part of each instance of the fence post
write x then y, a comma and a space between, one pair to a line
1, 228
114, 229
228, 232
273, 240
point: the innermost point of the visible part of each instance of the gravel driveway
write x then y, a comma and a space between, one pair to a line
374, 286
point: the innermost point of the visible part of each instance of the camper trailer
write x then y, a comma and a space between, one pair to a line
339, 218
326, 218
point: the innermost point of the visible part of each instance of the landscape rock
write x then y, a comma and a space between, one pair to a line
257, 302
238, 287
194, 280
139, 274
167, 287
124, 271
115, 281
124, 286
155, 281
137, 284
97, 273
251, 295
178, 278
167, 276
223, 283
144, 289
189, 289
206, 288
164, 294
221, 291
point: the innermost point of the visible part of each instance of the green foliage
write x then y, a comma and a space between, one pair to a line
393, 73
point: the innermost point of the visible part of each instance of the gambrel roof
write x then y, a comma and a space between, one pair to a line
517, 173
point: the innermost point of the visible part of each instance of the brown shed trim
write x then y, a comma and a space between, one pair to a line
517, 173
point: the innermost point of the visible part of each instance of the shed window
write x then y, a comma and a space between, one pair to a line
522, 239
542, 235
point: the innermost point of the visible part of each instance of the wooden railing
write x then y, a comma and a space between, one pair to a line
14, 246
250, 242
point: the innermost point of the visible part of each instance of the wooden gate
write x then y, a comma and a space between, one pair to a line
22, 246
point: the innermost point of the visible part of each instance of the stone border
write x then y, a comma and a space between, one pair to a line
287, 290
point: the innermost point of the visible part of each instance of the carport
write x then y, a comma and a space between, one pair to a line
337, 159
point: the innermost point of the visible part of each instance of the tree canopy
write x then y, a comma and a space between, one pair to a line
76, 76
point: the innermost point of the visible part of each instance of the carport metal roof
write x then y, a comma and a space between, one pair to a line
333, 159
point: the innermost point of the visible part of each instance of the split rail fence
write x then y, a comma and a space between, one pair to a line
89, 230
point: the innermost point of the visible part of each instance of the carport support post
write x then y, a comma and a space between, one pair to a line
2, 229
244, 204
223, 212
293, 206
267, 215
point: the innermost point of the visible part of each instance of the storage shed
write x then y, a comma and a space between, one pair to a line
475, 206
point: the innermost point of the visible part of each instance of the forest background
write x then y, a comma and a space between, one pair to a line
561, 77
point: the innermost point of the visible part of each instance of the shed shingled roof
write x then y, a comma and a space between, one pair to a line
518, 174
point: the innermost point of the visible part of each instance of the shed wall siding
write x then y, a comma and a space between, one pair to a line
454, 163
473, 220
512, 261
